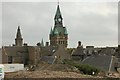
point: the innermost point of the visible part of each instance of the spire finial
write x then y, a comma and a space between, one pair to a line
58, 2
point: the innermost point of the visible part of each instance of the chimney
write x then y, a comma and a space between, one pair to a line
25, 44
47, 43
79, 43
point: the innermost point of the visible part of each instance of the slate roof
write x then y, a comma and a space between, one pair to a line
14, 50
55, 31
51, 52
108, 51
78, 51
65, 30
58, 13
48, 50
59, 30
19, 36
49, 59
100, 61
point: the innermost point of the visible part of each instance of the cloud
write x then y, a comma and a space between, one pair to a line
92, 23
0, 24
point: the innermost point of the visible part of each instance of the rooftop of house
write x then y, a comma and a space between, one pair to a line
101, 61
14, 50
78, 51
48, 50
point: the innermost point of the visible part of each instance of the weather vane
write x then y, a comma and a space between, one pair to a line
58, 2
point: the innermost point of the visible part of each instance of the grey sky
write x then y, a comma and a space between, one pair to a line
119, 23
91, 23
0, 24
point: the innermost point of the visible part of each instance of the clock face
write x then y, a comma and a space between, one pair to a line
59, 19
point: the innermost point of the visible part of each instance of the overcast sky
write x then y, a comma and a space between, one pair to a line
0, 24
91, 23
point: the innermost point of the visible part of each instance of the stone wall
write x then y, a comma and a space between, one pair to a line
34, 54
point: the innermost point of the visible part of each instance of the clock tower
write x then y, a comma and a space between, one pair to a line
58, 35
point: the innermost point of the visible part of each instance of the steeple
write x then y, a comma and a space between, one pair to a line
42, 43
18, 39
18, 33
58, 13
58, 17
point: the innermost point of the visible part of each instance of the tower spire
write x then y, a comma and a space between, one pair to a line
18, 33
18, 39
58, 17
58, 13
42, 43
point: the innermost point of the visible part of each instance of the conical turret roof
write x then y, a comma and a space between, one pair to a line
56, 31
58, 13
65, 31
18, 35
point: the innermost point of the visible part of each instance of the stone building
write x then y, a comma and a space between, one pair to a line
89, 50
78, 54
24, 54
58, 35
20, 53
118, 57
54, 54
57, 51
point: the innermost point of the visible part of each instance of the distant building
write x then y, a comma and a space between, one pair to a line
58, 35
105, 58
118, 57
118, 52
103, 62
78, 54
20, 53
89, 50
56, 51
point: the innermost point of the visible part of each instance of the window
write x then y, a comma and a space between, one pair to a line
10, 59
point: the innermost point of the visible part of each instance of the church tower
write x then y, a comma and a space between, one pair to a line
58, 35
18, 39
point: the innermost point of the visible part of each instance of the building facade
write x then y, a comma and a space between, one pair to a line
20, 53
